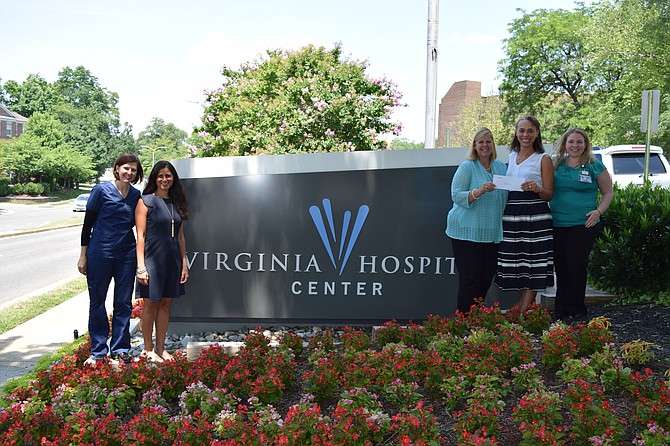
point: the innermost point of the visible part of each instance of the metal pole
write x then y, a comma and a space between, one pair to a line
647, 149
153, 152
431, 74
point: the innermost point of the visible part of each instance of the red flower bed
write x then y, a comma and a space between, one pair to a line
483, 379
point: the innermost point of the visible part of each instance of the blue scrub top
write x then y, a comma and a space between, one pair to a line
112, 235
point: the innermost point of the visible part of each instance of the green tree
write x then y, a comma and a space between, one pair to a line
627, 42
482, 112
546, 66
81, 89
309, 100
87, 132
405, 144
166, 140
20, 158
43, 155
34, 95
91, 117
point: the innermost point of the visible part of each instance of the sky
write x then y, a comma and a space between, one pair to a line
160, 55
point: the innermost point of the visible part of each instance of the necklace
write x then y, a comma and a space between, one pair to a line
520, 158
171, 212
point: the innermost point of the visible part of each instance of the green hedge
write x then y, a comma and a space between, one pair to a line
32, 189
4, 187
631, 256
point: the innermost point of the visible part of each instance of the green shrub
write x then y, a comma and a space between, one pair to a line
4, 187
33, 189
16, 189
630, 256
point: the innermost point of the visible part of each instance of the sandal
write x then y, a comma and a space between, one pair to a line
151, 356
166, 356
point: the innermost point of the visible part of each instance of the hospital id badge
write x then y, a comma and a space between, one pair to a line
585, 177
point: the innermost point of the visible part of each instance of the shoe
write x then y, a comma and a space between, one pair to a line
124, 356
93, 360
580, 317
151, 356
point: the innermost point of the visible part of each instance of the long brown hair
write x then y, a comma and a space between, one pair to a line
176, 191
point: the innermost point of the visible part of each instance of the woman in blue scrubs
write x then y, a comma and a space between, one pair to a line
108, 251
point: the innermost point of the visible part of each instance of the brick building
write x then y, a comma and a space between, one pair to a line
11, 124
450, 107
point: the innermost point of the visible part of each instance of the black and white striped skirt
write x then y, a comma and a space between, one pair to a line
525, 255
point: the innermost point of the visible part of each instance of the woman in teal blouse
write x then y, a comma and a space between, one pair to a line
474, 224
578, 177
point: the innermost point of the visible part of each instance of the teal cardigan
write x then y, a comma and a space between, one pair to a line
481, 220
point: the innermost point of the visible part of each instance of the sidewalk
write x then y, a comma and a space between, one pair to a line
22, 346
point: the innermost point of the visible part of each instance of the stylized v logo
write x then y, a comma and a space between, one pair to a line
347, 237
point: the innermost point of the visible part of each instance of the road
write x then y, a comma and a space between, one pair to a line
32, 262
16, 217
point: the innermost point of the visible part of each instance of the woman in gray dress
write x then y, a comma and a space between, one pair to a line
162, 269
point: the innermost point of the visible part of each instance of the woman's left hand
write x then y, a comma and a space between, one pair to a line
184, 276
143, 277
592, 218
530, 186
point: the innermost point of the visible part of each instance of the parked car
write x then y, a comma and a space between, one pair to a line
80, 203
626, 164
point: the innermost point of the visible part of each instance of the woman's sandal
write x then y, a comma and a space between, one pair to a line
151, 356
166, 356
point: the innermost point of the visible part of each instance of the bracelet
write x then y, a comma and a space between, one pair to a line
141, 270
601, 214
472, 192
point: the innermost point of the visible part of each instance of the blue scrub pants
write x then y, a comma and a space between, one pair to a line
99, 273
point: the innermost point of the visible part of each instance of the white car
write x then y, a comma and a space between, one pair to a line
626, 164
80, 203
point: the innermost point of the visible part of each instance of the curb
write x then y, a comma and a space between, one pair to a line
35, 231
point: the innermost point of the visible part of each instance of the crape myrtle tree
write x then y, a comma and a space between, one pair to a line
309, 100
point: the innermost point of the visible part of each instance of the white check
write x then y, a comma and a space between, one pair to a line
508, 182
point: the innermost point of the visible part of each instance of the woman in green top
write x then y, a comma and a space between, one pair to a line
578, 177
474, 224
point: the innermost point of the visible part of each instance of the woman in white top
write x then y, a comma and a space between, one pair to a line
525, 255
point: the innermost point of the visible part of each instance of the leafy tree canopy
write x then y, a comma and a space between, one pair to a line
34, 95
482, 112
405, 144
309, 100
588, 68
81, 89
545, 63
161, 140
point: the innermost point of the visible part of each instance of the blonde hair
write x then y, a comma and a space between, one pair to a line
472, 153
560, 151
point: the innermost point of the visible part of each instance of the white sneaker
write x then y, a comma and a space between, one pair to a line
93, 360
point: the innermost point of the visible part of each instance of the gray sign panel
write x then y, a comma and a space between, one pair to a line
325, 238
